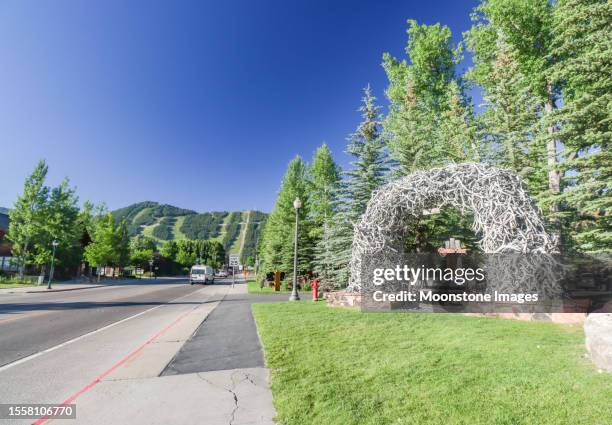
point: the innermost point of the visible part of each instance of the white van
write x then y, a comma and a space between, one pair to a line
201, 274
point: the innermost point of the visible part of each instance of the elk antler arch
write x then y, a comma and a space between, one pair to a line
506, 218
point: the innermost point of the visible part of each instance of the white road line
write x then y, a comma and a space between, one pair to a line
78, 338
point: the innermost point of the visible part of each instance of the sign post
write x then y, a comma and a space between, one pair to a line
234, 260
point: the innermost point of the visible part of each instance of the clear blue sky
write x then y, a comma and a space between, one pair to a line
199, 104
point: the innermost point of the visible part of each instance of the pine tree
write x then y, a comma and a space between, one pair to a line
368, 172
509, 125
278, 235
324, 178
582, 46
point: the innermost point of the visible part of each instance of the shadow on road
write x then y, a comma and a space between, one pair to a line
13, 308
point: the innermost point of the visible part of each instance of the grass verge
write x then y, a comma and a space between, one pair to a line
336, 366
5, 284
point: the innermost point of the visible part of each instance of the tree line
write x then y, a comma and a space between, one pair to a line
89, 237
544, 72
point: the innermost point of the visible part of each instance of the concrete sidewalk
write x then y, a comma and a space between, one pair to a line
135, 393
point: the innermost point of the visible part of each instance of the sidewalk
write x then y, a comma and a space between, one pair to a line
140, 392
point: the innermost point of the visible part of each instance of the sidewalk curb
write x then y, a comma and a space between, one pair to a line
64, 289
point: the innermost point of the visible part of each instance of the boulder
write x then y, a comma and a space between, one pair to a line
598, 332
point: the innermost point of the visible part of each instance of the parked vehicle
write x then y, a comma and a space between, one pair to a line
201, 274
222, 273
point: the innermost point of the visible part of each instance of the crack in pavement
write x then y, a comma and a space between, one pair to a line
231, 390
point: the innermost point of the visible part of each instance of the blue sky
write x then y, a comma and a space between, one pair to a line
199, 104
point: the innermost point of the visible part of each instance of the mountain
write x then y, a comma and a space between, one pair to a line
238, 231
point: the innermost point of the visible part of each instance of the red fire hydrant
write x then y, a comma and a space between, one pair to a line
315, 290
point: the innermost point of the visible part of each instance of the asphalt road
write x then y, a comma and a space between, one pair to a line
30, 323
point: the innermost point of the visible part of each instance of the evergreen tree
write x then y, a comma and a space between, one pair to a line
367, 173
509, 124
278, 234
324, 175
323, 184
582, 47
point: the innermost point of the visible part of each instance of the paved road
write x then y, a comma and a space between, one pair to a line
106, 349
30, 323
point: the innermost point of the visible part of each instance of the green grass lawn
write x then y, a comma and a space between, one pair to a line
254, 288
4, 284
337, 366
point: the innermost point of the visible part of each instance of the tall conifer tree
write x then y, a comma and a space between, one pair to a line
582, 47
278, 235
324, 179
368, 172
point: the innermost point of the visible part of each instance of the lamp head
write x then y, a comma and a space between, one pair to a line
297, 204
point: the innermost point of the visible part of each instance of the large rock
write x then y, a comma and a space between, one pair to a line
598, 331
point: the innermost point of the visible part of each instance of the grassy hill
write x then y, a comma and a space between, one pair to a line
238, 231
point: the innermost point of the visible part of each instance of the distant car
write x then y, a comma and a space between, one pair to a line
201, 274
222, 273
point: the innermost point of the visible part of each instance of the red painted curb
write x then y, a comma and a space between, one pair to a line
99, 378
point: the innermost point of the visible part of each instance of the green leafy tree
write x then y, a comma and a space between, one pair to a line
40, 216
423, 104
169, 250
61, 225
457, 131
142, 250
28, 216
524, 29
185, 254
102, 249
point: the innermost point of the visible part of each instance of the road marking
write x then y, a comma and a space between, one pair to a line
99, 378
95, 331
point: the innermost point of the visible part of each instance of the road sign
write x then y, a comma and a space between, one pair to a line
234, 260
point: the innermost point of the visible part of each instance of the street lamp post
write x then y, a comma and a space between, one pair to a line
297, 204
54, 245
151, 268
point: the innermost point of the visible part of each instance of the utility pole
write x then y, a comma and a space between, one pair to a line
54, 245
297, 204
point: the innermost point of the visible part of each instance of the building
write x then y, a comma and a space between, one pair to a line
5, 246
